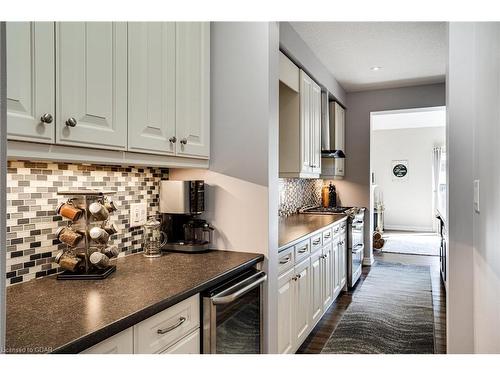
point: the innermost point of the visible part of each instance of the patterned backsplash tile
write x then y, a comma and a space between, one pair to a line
32, 199
297, 192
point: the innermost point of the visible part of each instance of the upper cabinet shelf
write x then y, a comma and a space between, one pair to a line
135, 87
300, 123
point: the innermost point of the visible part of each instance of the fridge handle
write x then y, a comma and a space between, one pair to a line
233, 296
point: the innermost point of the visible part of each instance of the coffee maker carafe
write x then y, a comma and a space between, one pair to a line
181, 203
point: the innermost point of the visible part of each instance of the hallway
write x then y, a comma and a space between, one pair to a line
319, 337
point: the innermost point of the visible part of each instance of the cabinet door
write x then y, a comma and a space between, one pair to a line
327, 276
30, 81
193, 88
151, 93
339, 138
285, 312
121, 343
343, 260
316, 288
302, 302
305, 122
92, 84
336, 268
316, 128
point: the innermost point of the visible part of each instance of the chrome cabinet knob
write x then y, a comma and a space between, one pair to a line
184, 141
71, 122
172, 139
46, 118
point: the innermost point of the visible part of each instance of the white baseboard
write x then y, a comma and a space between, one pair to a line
368, 261
409, 228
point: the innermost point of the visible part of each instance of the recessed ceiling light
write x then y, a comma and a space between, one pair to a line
375, 68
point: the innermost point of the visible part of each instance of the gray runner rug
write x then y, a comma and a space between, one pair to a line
390, 313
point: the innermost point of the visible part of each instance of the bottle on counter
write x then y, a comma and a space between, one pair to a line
325, 196
332, 195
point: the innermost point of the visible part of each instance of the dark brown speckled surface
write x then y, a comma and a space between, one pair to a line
47, 315
293, 227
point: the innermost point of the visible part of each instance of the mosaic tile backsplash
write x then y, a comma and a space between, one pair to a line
32, 199
297, 192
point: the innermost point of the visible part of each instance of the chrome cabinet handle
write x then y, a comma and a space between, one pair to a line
317, 241
184, 141
46, 118
171, 328
246, 285
172, 139
303, 249
296, 277
285, 260
328, 235
71, 122
325, 256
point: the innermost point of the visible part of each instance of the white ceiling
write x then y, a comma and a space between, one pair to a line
409, 118
410, 53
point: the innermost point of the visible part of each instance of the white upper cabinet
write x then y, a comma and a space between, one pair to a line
193, 88
151, 94
92, 84
300, 128
30, 81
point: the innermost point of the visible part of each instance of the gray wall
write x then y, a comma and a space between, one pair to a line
474, 126
460, 135
355, 188
295, 48
242, 194
3, 173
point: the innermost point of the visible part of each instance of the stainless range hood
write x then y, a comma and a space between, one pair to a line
328, 131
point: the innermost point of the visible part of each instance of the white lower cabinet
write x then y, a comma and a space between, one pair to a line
285, 312
302, 301
175, 330
316, 288
121, 343
188, 345
308, 289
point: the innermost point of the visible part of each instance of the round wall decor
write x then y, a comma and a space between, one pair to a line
399, 170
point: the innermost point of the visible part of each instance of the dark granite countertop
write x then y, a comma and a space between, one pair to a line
49, 315
294, 227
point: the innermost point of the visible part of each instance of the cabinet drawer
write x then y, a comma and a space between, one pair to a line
286, 259
188, 345
343, 227
302, 250
327, 235
336, 230
316, 242
158, 332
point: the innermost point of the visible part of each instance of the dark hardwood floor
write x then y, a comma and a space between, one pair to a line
320, 334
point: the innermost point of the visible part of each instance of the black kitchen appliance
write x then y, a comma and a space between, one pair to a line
181, 203
233, 315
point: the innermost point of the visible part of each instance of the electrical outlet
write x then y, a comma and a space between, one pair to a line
138, 214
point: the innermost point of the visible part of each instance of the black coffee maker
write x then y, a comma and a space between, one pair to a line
181, 203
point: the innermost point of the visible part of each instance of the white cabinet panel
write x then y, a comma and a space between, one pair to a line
316, 305
92, 84
188, 345
327, 269
302, 299
30, 81
336, 268
343, 260
193, 88
339, 138
121, 343
285, 312
305, 122
151, 93
315, 128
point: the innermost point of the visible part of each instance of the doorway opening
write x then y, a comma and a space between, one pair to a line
408, 180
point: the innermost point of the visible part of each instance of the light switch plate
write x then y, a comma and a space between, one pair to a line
138, 214
476, 196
